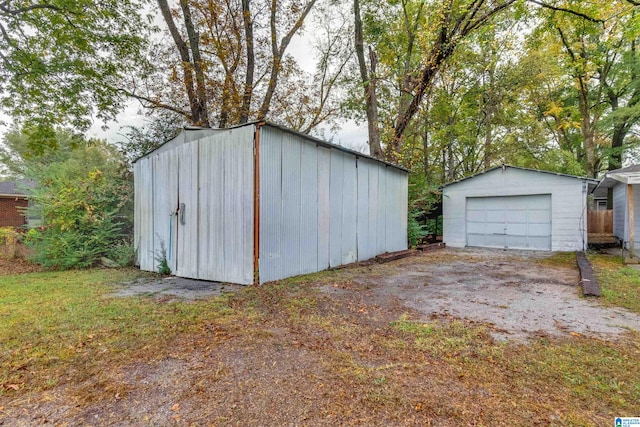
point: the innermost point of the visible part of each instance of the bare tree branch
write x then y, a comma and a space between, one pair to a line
570, 11
154, 103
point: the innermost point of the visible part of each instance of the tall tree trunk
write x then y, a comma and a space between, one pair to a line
185, 57
450, 32
202, 116
450, 157
369, 84
411, 29
587, 126
425, 151
490, 109
245, 109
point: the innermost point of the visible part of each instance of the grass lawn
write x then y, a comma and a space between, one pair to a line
619, 283
287, 353
51, 322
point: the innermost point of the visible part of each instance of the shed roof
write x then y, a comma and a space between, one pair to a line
592, 181
628, 175
15, 188
318, 141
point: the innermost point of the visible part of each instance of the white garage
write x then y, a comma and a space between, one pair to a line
510, 207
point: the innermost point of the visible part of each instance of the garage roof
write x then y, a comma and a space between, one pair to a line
591, 181
628, 175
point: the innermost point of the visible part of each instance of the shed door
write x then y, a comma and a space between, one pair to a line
515, 222
187, 262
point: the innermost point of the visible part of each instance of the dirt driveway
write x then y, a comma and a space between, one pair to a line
518, 293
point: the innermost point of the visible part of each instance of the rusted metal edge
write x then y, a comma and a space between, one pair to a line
588, 280
256, 204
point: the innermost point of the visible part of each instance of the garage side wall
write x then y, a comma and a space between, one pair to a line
321, 207
568, 203
621, 216
620, 212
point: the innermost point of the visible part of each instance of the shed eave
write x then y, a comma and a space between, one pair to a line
262, 123
331, 145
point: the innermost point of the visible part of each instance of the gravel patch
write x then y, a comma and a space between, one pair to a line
174, 288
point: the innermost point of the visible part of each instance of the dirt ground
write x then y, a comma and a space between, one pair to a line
508, 290
11, 266
329, 352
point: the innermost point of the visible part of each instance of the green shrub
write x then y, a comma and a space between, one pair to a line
415, 230
123, 253
163, 264
85, 201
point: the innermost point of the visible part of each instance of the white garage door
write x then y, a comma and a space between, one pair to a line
516, 222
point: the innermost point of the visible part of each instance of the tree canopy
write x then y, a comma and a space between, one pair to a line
65, 61
446, 87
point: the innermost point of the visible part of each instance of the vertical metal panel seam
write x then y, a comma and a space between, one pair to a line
256, 204
153, 229
197, 207
357, 209
301, 258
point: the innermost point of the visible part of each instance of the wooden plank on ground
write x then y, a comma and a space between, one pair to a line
431, 247
392, 256
588, 280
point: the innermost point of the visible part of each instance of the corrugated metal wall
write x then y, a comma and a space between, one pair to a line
322, 207
143, 201
165, 203
188, 234
211, 178
319, 207
225, 216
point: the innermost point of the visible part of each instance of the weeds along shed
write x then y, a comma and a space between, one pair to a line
260, 202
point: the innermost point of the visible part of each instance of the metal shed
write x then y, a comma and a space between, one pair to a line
511, 207
260, 202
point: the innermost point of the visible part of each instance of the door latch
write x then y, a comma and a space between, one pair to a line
182, 209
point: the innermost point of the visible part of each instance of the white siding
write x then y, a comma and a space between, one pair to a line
323, 208
621, 216
568, 203
620, 212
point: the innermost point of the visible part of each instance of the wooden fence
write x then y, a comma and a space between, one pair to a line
600, 222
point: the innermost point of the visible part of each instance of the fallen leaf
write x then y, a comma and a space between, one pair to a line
176, 407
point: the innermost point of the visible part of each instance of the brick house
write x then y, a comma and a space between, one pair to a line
13, 203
